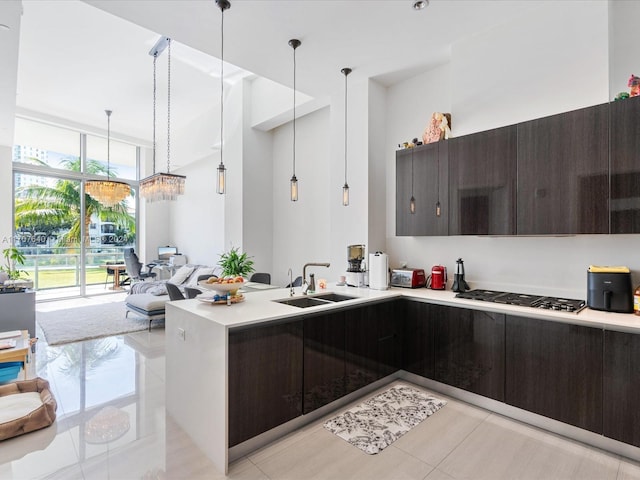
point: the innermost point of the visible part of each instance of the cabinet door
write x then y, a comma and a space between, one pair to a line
563, 173
469, 349
422, 170
621, 389
324, 369
555, 369
624, 204
373, 343
482, 183
418, 339
265, 379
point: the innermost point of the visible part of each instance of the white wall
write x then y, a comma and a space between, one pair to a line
257, 190
623, 38
500, 77
553, 60
301, 232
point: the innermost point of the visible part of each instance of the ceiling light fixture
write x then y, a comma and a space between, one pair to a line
222, 171
345, 189
294, 43
107, 192
162, 186
420, 4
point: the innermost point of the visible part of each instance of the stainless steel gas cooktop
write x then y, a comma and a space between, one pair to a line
524, 300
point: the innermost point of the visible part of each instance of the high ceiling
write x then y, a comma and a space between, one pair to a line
78, 58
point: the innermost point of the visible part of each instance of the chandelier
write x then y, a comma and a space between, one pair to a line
107, 192
109, 424
162, 186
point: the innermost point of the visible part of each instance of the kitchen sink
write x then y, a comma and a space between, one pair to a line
334, 297
303, 302
315, 300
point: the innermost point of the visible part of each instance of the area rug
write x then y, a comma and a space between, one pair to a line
85, 323
378, 422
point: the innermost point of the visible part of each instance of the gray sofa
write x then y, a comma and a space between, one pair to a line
147, 299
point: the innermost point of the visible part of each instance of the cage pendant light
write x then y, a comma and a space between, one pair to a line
294, 43
162, 186
107, 192
221, 181
345, 188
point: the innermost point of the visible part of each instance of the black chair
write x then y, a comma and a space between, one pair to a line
261, 278
174, 292
110, 272
192, 292
134, 266
296, 283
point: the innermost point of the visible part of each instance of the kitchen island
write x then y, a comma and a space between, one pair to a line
217, 355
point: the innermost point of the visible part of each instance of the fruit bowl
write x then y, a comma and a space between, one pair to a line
221, 287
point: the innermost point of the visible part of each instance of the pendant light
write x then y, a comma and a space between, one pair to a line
107, 192
222, 171
412, 200
162, 186
345, 189
294, 43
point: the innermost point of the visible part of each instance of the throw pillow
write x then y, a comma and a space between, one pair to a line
181, 275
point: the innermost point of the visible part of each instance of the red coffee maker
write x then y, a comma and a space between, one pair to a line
438, 277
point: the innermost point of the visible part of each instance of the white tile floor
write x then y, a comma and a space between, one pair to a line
127, 372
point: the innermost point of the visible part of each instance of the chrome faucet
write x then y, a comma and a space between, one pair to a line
305, 285
290, 273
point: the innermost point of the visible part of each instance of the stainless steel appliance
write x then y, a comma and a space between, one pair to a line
408, 277
379, 271
525, 300
356, 272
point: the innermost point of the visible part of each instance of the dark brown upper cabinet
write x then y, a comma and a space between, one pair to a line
482, 183
624, 204
423, 172
563, 169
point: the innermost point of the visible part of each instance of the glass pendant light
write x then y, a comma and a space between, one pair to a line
345, 189
294, 43
412, 200
162, 186
107, 192
221, 182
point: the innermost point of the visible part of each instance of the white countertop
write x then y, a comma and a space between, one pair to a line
259, 307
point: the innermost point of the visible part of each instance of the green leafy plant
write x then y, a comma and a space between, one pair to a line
235, 264
12, 258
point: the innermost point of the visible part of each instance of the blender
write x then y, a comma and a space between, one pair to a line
355, 275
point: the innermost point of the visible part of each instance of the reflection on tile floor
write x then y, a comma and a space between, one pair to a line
112, 425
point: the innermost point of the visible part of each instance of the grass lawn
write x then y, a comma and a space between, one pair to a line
67, 277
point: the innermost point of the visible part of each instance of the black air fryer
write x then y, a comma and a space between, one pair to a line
610, 291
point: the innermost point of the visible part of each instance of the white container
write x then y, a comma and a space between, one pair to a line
378, 271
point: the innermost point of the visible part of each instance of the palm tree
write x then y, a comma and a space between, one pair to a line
55, 206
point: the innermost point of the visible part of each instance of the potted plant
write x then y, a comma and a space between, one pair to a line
235, 264
12, 258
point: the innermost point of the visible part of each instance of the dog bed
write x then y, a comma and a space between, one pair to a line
25, 406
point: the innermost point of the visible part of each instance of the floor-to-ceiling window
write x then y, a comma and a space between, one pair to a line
67, 236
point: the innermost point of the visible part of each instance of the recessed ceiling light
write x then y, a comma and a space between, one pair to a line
420, 4
4, 27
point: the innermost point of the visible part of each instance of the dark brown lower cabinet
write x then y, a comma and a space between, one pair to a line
621, 390
418, 339
324, 369
265, 378
555, 369
469, 348
373, 342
